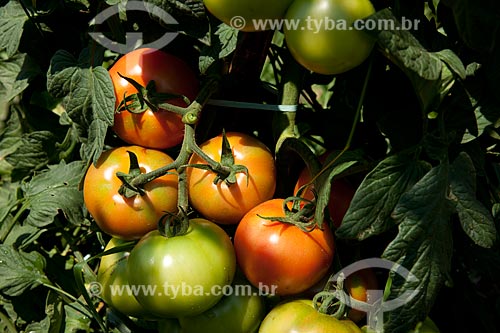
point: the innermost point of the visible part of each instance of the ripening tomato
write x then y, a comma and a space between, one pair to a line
160, 129
358, 284
341, 194
182, 275
243, 14
112, 276
280, 256
128, 218
325, 41
301, 316
223, 203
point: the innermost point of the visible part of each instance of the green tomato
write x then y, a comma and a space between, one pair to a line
113, 279
241, 14
239, 312
180, 276
323, 41
301, 316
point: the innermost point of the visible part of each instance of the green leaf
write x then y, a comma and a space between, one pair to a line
20, 271
431, 80
476, 220
42, 326
19, 235
15, 75
193, 8
485, 107
54, 310
453, 61
371, 207
88, 95
8, 200
324, 181
222, 43
78, 319
34, 152
12, 19
54, 190
423, 245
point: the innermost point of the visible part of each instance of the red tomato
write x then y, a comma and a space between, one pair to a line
279, 255
223, 203
161, 129
341, 195
128, 218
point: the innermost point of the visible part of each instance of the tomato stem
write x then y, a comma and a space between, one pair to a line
357, 115
292, 83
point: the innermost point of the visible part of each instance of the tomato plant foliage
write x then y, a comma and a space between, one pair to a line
415, 127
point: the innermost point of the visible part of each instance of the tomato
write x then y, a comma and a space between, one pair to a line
279, 256
358, 284
300, 316
182, 275
160, 129
223, 203
128, 218
341, 194
248, 10
324, 42
112, 276
240, 311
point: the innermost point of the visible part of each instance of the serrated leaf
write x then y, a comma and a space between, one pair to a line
423, 245
19, 235
324, 181
8, 200
476, 220
453, 61
193, 8
20, 271
431, 80
12, 19
42, 326
404, 49
485, 107
35, 151
222, 43
88, 94
53, 190
371, 207
15, 75
77, 319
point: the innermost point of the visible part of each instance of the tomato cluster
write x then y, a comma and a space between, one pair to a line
324, 36
183, 271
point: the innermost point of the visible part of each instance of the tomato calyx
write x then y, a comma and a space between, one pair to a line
127, 189
332, 299
146, 98
225, 170
298, 212
171, 225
